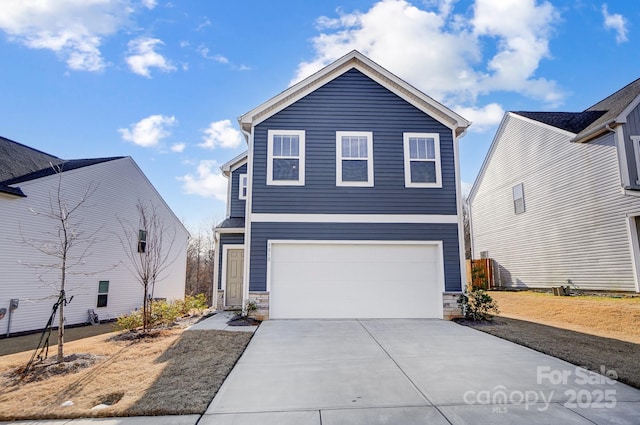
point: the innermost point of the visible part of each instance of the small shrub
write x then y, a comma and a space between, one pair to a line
129, 322
164, 313
477, 305
250, 307
193, 304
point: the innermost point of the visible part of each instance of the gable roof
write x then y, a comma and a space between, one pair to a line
595, 120
573, 122
616, 108
352, 60
234, 163
20, 163
17, 159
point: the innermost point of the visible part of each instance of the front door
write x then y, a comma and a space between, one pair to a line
235, 276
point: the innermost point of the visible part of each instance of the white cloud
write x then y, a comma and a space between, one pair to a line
204, 52
142, 57
149, 4
178, 147
148, 131
482, 119
443, 53
207, 182
73, 29
615, 22
221, 134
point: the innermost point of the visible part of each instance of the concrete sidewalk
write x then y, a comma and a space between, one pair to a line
408, 372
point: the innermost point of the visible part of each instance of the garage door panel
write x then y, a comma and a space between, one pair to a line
328, 280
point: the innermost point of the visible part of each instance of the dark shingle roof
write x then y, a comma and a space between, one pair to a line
64, 165
20, 163
613, 106
592, 121
231, 223
574, 122
17, 159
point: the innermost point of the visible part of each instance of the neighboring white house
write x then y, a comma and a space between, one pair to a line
557, 200
102, 282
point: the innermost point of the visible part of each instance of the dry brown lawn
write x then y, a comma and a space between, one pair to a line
175, 372
590, 331
607, 317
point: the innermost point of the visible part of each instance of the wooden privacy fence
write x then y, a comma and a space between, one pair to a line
481, 273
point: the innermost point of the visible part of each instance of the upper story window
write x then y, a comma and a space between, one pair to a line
285, 157
242, 186
354, 158
422, 160
518, 198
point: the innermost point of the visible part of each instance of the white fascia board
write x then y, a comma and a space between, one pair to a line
355, 218
229, 230
237, 162
487, 158
365, 65
622, 117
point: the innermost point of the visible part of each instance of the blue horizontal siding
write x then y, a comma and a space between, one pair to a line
262, 232
237, 205
227, 239
353, 102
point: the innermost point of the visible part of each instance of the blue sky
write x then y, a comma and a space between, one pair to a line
164, 81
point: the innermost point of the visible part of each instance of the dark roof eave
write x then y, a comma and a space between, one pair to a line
12, 191
596, 132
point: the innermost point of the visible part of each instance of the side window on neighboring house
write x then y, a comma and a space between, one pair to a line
635, 140
518, 199
354, 158
242, 186
285, 157
422, 160
484, 254
103, 293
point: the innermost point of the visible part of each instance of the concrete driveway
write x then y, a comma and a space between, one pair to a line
408, 372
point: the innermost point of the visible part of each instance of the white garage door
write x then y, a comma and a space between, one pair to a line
355, 280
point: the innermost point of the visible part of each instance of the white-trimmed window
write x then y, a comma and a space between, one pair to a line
285, 157
422, 160
354, 158
518, 199
103, 293
242, 186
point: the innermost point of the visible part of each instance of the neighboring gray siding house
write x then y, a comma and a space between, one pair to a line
101, 282
346, 203
557, 200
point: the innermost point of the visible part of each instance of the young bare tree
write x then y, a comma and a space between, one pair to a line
149, 248
67, 243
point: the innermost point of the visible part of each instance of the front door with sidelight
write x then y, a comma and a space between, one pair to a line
234, 277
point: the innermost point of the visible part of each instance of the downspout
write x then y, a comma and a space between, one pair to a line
247, 216
596, 131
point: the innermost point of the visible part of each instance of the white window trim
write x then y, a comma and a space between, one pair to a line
635, 140
407, 160
301, 158
369, 136
513, 195
242, 177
